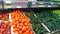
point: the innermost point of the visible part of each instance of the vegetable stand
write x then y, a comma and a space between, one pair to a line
29, 17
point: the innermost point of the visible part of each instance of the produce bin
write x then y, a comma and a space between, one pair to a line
40, 20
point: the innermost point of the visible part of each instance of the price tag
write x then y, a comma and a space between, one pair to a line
32, 0
8, 2
7, 6
18, 6
40, 6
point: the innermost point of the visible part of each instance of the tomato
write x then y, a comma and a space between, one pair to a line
25, 24
8, 32
2, 29
13, 25
20, 27
27, 31
0, 33
3, 25
4, 32
20, 32
0, 16
31, 32
21, 24
16, 32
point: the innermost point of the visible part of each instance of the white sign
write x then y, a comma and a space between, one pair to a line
32, 0
18, 6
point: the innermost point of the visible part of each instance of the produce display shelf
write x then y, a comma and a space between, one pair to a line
15, 2
36, 2
32, 4
6, 4
41, 20
6, 7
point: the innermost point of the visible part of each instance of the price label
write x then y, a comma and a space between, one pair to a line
40, 6
7, 6
32, 0
18, 6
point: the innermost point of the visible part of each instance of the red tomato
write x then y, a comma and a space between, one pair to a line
2, 29
29, 29
4, 26
8, 32
31, 32
0, 33
8, 27
21, 24
20, 27
15, 32
20, 32
4, 32
0, 16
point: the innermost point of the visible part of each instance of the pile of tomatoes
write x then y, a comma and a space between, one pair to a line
4, 23
5, 28
20, 23
4, 16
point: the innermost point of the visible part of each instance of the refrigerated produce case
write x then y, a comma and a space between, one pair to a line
41, 16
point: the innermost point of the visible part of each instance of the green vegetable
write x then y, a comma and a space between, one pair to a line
51, 18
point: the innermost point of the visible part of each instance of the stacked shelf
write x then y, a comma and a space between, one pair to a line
15, 3
39, 22
28, 4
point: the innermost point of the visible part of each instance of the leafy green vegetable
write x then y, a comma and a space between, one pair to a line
50, 18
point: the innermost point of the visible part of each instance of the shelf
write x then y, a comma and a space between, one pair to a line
7, 7
15, 2
21, 2
32, 6
28, 4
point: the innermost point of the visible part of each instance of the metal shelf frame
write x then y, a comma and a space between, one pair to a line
28, 4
